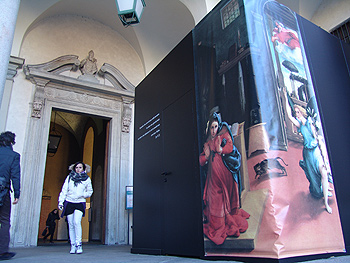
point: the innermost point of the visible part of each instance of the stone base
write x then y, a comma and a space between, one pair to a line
89, 78
254, 204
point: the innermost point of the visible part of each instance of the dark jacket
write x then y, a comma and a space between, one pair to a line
10, 168
50, 221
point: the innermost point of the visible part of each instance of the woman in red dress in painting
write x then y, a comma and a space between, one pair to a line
222, 214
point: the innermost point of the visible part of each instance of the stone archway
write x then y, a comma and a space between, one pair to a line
55, 88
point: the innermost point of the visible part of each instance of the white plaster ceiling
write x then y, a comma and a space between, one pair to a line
305, 8
164, 22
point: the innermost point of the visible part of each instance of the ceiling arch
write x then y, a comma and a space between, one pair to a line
160, 30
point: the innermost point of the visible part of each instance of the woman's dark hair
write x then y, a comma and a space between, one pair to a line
75, 165
213, 117
7, 138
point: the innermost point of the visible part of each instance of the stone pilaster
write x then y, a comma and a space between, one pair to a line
39, 97
125, 164
15, 63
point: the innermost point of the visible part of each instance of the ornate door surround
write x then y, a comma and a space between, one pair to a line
54, 88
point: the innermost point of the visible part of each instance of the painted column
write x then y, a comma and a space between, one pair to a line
8, 17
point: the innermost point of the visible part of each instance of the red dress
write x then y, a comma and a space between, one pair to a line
221, 195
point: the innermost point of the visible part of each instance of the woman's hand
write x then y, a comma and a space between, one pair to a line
218, 147
206, 150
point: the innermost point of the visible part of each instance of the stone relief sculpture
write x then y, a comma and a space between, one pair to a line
88, 68
126, 120
88, 65
126, 124
37, 107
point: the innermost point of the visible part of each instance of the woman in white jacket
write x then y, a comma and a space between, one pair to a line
71, 200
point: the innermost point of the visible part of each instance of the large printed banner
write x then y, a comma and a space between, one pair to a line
267, 183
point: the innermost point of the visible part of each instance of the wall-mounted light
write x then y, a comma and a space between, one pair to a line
54, 139
130, 11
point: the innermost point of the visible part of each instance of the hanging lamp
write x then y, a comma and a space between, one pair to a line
54, 139
130, 11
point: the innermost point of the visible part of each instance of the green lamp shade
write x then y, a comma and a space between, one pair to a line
130, 11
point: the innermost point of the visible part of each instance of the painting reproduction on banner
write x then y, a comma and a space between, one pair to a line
266, 178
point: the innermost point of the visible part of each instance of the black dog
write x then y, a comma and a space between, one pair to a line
268, 164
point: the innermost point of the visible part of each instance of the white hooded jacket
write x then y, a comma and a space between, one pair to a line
75, 194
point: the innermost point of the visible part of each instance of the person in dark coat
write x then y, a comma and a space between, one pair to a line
9, 172
51, 224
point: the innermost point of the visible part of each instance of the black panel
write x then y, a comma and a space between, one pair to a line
147, 197
167, 198
173, 77
329, 70
182, 202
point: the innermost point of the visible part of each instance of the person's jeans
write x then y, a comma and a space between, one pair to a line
51, 232
5, 212
74, 224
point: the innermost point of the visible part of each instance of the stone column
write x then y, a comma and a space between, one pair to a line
8, 17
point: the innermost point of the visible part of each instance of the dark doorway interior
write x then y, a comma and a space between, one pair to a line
83, 138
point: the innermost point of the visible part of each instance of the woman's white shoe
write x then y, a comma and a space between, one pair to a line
72, 249
79, 249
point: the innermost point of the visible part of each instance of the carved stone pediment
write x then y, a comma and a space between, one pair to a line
52, 85
56, 66
72, 63
117, 79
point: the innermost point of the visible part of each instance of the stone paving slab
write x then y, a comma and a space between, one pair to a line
96, 253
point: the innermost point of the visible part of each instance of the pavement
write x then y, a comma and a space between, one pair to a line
97, 253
